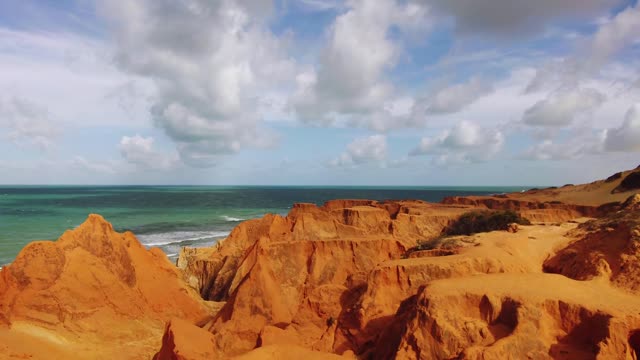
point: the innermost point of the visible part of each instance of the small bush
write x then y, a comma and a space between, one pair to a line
428, 244
330, 321
484, 221
631, 182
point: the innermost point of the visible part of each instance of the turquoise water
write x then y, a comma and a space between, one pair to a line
172, 216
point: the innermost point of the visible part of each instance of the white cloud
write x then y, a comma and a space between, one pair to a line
71, 76
212, 63
140, 151
26, 122
577, 145
627, 136
349, 80
560, 109
453, 98
465, 142
612, 36
362, 151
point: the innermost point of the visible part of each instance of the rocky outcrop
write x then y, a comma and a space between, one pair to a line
296, 275
288, 352
185, 341
95, 286
331, 278
212, 270
630, 183
501, 316
608, 247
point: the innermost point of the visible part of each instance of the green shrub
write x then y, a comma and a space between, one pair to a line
484, 221
428, 244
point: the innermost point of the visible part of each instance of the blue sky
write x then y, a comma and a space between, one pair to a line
318, 92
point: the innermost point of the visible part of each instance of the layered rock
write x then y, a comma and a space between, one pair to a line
342, 279
212, 270
532, 210
183, 340
501, 316
608, 247
90, 289
331, 278
296, 275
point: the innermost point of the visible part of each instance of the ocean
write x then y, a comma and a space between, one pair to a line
171, 217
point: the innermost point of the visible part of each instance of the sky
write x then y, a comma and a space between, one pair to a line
318, 92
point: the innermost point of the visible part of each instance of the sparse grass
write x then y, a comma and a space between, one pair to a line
442, 242
484, 221
428, 244
468, 224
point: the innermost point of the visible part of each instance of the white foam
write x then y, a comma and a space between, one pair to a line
177, 237
231, 218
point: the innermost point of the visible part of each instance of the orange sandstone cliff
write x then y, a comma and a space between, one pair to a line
345, 280
92, 294
342, 279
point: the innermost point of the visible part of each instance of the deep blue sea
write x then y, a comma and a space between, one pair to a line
173, 216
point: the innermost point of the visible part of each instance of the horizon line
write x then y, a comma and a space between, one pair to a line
275, 185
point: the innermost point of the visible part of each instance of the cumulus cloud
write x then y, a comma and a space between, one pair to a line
612, 36
71, 75
363, 150
508, 18
561, 109
26, 123
585, 141
349, 80
211, 62
627, 136
465, 142
578, 145
139, 150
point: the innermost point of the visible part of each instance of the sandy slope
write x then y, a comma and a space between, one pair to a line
592, 194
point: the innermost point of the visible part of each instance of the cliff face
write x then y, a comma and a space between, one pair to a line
296, 276
212, 270
335, 278
607, 248
90, 288
532, 210
536, 316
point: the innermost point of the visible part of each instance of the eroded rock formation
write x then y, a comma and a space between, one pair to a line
608, 247
342, 279
91, 288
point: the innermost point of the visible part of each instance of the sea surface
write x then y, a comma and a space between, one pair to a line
171, 217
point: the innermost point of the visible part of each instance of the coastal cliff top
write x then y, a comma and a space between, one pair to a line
616, 188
